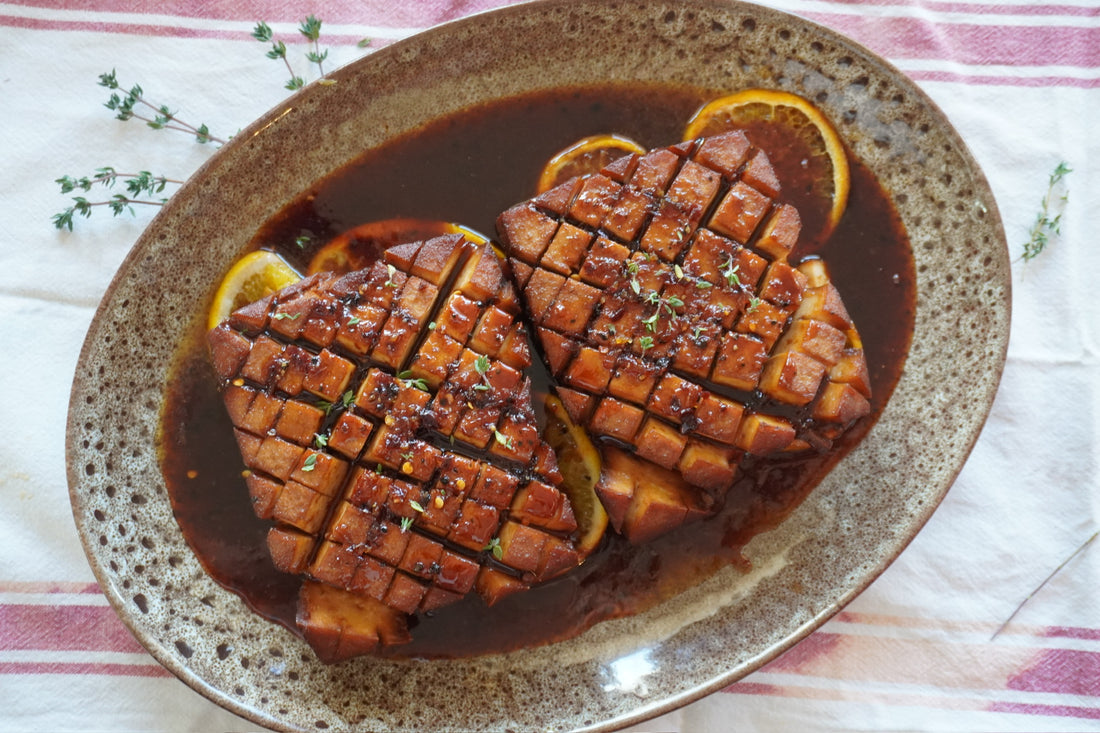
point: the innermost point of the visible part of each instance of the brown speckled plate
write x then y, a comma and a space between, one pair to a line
620, 672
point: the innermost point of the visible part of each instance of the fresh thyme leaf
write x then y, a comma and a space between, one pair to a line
406, 522
1047, 223
729, 271
262, 32
495, 548
481, 365
310, 462
416, 506
123, 105
138, 185
503, 439
646, 343
310, 28
320, 440
132, 104
287, 316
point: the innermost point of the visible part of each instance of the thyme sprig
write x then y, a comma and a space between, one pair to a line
123, 103
310, 28
131, 103
141, 188
1047, 223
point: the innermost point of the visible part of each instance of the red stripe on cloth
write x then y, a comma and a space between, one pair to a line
1072, 632
1062, 711
64, 628
980, 8
47, 586
969, 44
171, 31
1014, 81
1062, 671
84, 668
418, 14
755, 688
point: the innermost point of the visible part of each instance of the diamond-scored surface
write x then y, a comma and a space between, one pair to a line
675, 327
388, 430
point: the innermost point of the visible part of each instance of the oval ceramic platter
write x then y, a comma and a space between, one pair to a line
619, 672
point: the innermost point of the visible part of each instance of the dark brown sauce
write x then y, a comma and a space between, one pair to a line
468, 168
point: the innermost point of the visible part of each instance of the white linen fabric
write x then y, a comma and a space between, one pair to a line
1019, 80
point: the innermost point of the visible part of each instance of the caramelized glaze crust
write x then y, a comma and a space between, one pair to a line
386, 424
676, 328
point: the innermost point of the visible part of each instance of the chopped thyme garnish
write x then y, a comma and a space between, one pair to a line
481, 365
287, 316
310, 462
646, 342
320, 440
729, 271
416, 506
406, 522
503, 439
495, 548
702, 285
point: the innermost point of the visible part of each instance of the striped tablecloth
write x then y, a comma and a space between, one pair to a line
916, 651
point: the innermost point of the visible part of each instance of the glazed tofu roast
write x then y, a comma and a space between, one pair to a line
676, 330
387, 419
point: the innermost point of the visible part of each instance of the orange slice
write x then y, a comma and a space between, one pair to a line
360, 246
587, 155
254, 276
801, 143
579, 462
